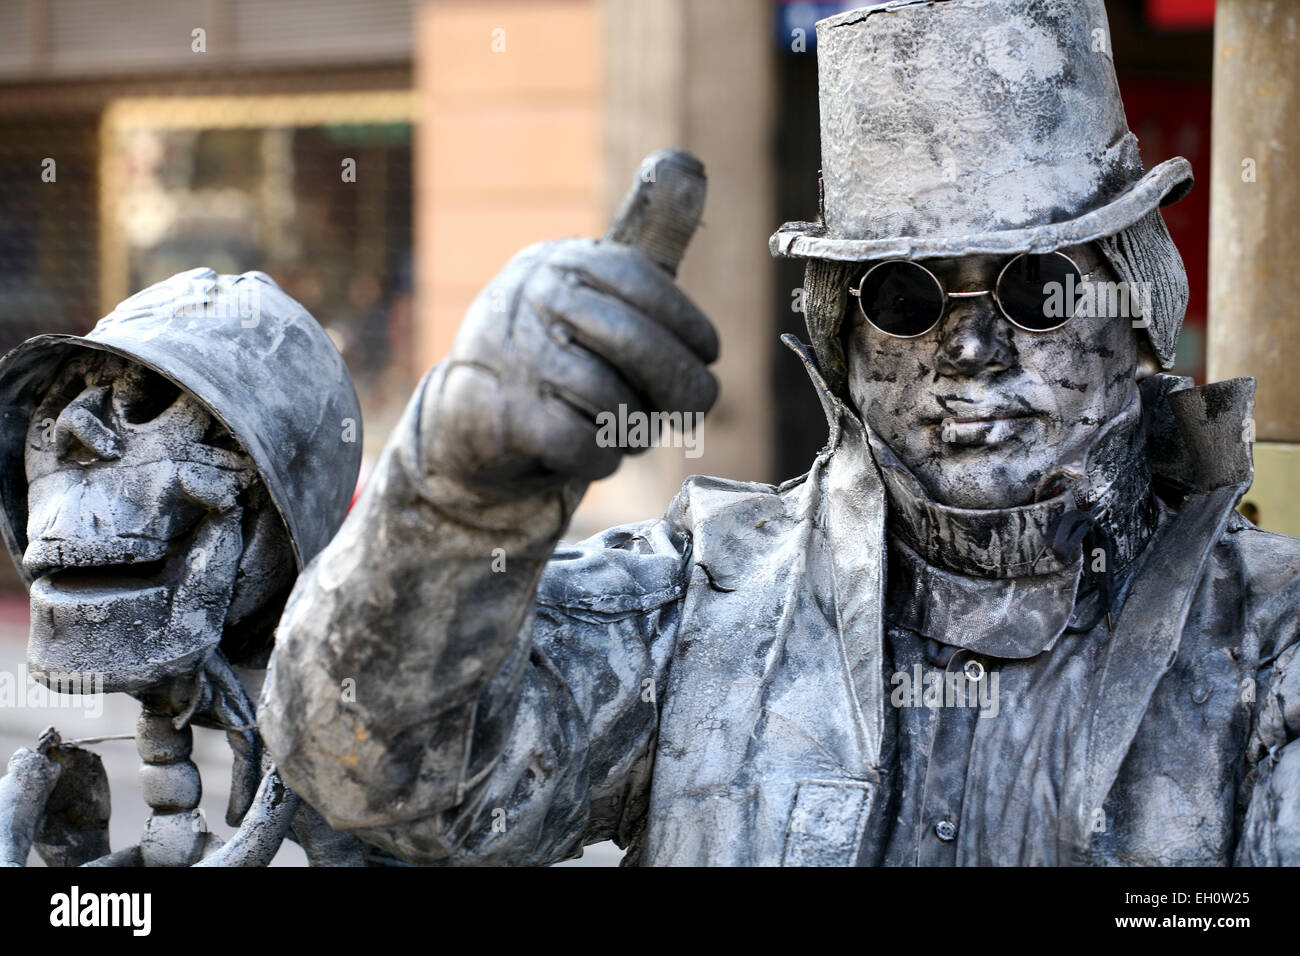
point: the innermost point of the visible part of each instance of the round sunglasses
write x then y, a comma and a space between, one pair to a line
904, 299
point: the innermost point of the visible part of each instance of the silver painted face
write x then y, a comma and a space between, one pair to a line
135, 506
985, 414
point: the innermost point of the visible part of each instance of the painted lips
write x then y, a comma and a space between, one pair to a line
983, 431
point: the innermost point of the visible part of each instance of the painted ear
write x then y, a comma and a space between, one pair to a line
1147, 363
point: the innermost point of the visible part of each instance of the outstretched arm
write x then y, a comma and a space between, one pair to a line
414, 678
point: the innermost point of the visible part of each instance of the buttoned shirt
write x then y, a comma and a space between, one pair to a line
982, 722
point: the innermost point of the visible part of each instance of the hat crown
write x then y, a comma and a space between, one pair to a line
962, 117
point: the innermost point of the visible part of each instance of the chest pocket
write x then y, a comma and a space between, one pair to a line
827, 823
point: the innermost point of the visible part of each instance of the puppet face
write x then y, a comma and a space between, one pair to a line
136, 525
984, 414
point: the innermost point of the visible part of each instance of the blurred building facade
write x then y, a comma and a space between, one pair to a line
140, 138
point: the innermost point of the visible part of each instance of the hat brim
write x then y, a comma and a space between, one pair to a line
1166, 183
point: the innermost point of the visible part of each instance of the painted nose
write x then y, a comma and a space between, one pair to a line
80, 433
974, 340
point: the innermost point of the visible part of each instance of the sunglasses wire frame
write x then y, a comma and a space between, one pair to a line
856, 292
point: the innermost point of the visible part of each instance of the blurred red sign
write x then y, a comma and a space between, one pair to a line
1180, 14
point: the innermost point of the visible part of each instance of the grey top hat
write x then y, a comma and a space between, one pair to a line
955, 127
252, 355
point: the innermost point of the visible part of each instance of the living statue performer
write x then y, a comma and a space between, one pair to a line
1009, 616
162, 481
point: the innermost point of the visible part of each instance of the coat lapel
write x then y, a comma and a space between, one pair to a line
770, 735
853, 516
1198, 439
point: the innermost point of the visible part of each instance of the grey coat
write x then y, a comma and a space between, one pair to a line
710, 687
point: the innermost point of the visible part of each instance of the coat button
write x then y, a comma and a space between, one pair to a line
974, 671
945, 830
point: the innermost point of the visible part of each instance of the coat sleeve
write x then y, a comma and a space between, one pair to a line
565, 737
452, 688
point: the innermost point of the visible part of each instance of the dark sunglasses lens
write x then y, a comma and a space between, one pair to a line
1038, 292
901, 298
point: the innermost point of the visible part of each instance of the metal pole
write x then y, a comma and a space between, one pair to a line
1254, 325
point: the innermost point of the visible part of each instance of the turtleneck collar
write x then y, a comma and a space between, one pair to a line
988, 580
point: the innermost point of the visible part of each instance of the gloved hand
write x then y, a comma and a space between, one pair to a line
568, 329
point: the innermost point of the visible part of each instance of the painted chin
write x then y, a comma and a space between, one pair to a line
122, 622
